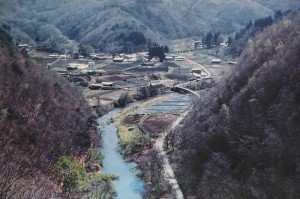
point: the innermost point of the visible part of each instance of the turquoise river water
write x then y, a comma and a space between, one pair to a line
128, 186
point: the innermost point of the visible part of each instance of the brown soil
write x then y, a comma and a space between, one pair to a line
132, 119
109, 78
155, 124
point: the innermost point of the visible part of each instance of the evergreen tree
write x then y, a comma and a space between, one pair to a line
229, 41
263, 22
157, 51
208, 39
166, 49
278, 15
85, 50
249, 25
215, 38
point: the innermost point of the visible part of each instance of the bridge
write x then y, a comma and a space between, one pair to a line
183, 87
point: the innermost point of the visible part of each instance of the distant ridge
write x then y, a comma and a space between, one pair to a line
101, 23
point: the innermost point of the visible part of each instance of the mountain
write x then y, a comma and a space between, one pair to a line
279, 4
42, 118
106, 24
242, 139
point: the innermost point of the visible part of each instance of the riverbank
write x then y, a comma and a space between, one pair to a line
128, 185
133, 147
137, 141
138, 131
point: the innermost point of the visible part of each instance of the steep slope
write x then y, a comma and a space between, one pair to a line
100, 23
41, 119
242, 140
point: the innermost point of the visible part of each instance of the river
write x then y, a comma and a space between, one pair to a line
128, 186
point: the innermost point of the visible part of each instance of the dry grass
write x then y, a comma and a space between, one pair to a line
126, 136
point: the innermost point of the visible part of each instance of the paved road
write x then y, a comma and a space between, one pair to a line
51, 64
168, 171
202, 67
183, 87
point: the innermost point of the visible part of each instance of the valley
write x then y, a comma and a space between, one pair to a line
140, 99
115, 81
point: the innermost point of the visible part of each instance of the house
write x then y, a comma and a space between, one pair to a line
169, 58
91, 63
54, 55
162, 84
118, 59
93, 72
97, 57
195, 74
148, 63
23, 46
63, 56
232, 63
95, 86
196, 70
72, 67
179, 58
157, 84
216, 61
223, 44
75, 66
131, 58
108, 83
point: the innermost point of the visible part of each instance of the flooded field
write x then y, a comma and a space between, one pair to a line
174, 105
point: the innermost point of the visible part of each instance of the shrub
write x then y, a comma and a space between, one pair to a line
94, 157
70, 172
4, 113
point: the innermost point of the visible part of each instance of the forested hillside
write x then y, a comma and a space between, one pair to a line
42, 118
279, 4
107, 25
239, 42
243, 138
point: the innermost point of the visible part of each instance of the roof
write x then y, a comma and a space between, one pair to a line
107, 83
118, 59
169, 57
79, 66
179, 58
215, 60
196, 69
23, 45
195, 74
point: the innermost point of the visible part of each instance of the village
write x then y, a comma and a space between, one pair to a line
105, 79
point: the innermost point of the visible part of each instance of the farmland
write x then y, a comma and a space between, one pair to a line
110, 81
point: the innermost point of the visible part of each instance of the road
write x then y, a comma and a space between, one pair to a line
159, 143
168, 171
201, 66
51, 64
183, 87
